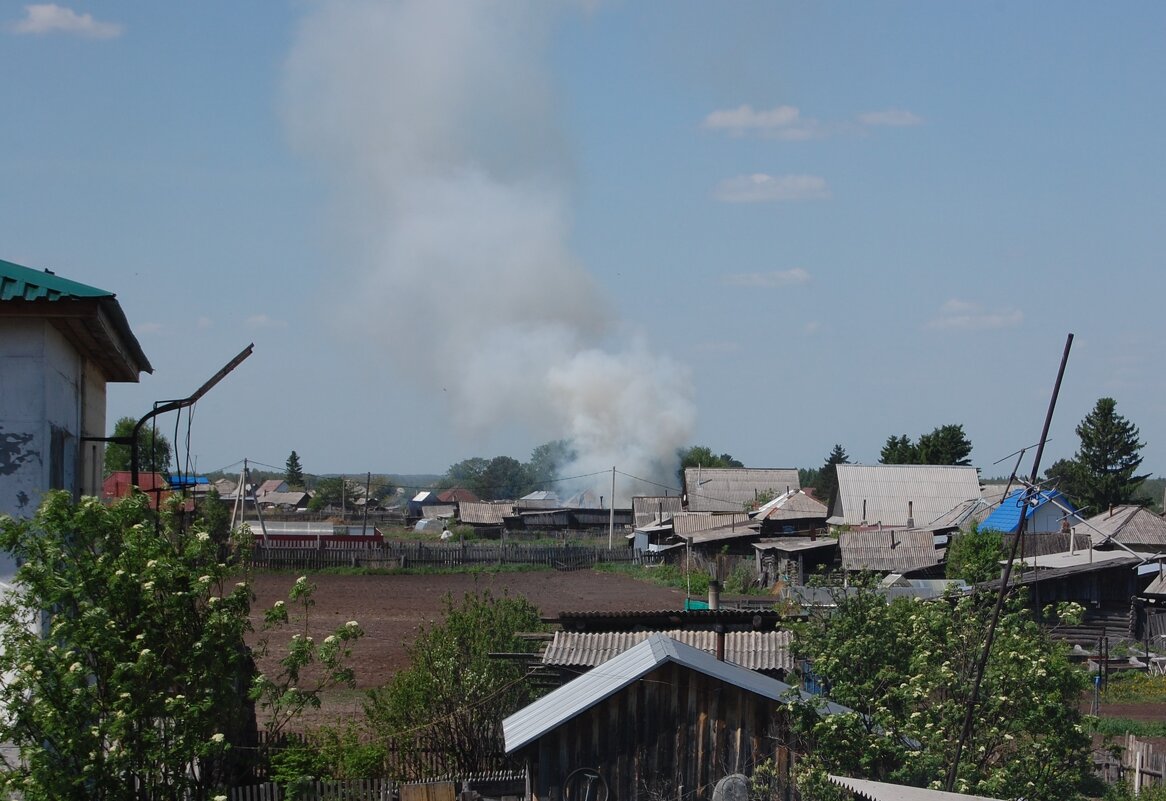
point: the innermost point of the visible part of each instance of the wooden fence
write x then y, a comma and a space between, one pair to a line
307, 556
1136, 762
504, 784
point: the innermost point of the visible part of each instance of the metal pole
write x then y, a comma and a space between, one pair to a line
367, 489
981, 666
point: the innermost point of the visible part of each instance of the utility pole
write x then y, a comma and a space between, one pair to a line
367, 489
611, 514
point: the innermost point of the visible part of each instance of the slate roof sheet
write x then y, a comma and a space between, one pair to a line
646, 508
756, 650
893, 551
887, 491
883, 791
483, 513
686, 524
792, 505
1129, 525
732, 489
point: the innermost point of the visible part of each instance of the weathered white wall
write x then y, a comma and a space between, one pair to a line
50, 398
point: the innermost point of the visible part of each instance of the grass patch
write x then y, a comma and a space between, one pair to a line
1135, 687
1115, 727
661, 575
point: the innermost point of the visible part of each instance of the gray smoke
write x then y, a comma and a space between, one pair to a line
435, 126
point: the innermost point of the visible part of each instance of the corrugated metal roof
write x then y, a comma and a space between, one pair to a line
289, 498
484, 513
686, 524
887, 490
1129, 525
91, 318
24, 283
1085, 556
882, 791
756, 650
732, 489
561, 705
646, 508
1006, 517
792, 505
895, 551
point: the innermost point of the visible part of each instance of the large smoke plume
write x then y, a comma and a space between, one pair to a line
435, 125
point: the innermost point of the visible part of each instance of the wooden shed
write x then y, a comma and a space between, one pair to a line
661, 719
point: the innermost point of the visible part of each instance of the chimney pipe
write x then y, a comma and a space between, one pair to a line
864, 510
714, 594
720, 629
910, 514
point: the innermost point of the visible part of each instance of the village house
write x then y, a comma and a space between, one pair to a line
661, 719
900, 496
1045, 511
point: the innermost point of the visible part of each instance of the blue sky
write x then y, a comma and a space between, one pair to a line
458, 230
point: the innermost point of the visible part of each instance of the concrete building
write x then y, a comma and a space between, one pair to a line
61, 342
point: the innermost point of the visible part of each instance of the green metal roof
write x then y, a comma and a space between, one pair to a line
24, 283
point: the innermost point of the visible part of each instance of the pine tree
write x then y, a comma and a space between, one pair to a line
294, 472
899, 450
827, 480
1108, 458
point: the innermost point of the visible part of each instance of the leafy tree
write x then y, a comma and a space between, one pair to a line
466, 473
703, 456
294, 472
808, 476
123, 654
1108, 460
827, 480
153, 449
548, 459
453, 697
504, 477
906, 670
945, 445
335, 492
899, 450
975, 555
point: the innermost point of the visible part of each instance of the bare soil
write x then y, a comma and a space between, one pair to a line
390, 608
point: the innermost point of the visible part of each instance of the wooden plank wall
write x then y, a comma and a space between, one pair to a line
699, 730
417, 554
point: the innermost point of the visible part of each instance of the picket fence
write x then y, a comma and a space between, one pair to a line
1136, 763
309, 556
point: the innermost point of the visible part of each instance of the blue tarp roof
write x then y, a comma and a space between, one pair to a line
1006, 516
188, 481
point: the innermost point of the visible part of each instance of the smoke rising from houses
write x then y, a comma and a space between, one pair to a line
435, 128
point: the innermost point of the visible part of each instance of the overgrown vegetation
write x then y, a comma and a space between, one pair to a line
975, 555
906, 669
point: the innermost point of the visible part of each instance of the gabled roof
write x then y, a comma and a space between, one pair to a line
883, 791
90, 318
271, 485
887, 493
792, 505
1129, 525
732, 489
894, 551
648, 508
572, 699
685, 524
457, 495
1006, 517
756, 650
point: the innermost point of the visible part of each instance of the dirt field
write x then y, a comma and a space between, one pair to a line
390, 608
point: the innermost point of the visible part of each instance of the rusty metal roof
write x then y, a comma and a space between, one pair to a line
732, 489
893, 551
756, 650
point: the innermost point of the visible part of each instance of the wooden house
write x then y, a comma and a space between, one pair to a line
662, 719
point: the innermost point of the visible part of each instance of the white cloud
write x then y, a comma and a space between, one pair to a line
264, 321
46, 18
204, 323
770, 280
149, 328
762, 188
780, 122
891, 118
959, 315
